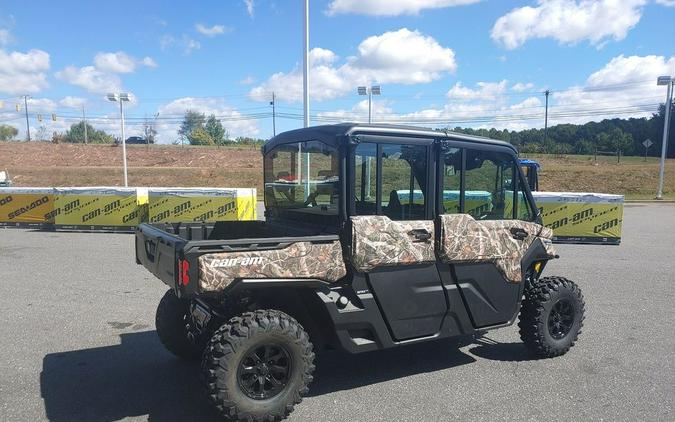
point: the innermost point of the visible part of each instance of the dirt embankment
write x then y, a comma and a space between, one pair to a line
46, 164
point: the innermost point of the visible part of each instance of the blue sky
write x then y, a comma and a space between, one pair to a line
479, 63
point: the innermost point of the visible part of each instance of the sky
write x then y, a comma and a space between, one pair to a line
440, 63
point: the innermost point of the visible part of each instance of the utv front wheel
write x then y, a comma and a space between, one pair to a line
171, 321
257, 366
551, 316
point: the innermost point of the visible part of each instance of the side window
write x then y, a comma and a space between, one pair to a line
452, 175
365, 176
404, 170
489, 178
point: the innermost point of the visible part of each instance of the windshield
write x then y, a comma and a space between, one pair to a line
302, 180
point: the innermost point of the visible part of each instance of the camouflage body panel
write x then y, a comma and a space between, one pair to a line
321, 261
463, 239
379, 241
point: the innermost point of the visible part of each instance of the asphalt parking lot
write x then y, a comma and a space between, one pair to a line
77, 343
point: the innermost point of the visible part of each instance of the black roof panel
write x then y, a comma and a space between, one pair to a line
335, 134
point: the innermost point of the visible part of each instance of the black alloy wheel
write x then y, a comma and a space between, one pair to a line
561, 319
264, 371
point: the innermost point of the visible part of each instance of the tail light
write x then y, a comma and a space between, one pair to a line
183, 272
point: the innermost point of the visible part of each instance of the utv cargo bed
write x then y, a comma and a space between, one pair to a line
228, 251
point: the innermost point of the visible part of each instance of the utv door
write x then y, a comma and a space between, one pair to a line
484, 232
393, 239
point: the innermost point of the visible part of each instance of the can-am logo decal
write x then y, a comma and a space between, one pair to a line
231, 262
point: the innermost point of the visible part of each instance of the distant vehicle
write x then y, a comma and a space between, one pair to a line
5, 181
531, 171
136, 140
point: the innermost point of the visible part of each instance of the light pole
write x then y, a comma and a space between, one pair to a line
121, 98
305, 63
373, 90
665, 80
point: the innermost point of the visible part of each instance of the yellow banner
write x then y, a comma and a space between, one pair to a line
182, 205
26, 206
584, 220
110, 208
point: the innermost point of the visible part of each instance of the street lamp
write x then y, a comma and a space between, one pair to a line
665, 80
122, 97
373, 90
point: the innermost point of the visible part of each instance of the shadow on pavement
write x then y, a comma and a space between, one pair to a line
337, 370
135, 378
138, 377
487, 348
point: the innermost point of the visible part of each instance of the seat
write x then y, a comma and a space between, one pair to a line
394, 209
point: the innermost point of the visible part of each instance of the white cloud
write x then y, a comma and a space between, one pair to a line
249, 7
212, 31
485, 91
5, 37
166, 41
41, 105
72, 102
190, 45
625, 87
522, 87
380, 112
149, 62
233, 121
623, 84
118, 62
186, 43
390, 7
22, 73
91, 79
568, 21
247, 80
403, 56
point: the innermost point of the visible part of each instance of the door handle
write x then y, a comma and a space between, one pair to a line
420, 235
519, 233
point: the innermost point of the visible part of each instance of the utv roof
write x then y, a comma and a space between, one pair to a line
334, 134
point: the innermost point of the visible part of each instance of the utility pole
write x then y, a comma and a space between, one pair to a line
25, 103
547, 93
274, 115
84, 119
305, 64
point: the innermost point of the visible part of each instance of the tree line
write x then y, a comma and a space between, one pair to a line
624, 136
616, 136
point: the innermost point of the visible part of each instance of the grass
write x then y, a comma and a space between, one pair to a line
46, 164
633, 176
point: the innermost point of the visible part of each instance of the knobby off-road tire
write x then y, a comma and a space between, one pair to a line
551, 316
171, 320
231, 366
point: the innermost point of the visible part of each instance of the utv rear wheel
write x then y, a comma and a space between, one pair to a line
257, 366
551, 316
171, 321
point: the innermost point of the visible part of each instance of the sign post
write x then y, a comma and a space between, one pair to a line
647, 143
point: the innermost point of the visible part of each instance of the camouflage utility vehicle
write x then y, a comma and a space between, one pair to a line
375, 237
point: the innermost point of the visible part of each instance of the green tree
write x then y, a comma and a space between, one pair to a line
7, 132
75, 135
215, 130
192, 121
200, 136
